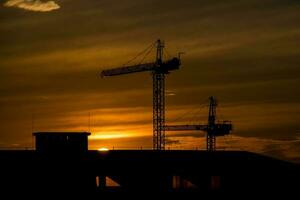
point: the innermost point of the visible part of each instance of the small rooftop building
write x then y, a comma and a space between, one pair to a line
71, 142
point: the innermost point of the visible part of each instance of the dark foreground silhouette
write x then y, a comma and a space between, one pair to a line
173, 173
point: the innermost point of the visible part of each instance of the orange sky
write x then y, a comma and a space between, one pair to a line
246, 53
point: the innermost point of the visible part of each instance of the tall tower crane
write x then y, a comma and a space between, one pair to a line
212, 128
159, 69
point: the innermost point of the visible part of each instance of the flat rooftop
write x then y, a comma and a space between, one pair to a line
61, 133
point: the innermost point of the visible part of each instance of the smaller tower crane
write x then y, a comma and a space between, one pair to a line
212, 128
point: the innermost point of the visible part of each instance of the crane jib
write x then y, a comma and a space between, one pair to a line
164, 68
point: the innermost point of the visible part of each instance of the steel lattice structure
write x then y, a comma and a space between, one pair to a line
159, 70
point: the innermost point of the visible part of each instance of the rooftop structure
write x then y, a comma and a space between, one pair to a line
61, 141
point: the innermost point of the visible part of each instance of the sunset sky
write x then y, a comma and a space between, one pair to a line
244, 52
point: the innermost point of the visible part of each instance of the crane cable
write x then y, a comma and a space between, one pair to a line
192, 110
196, 113
146, 54
168, 54
141, 53
198, 110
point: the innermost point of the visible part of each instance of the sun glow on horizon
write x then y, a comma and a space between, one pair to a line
110, 135
103, 149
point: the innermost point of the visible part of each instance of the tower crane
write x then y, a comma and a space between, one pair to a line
212, 128
159, 69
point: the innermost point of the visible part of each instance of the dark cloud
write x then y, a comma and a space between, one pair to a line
172, 141
194, 134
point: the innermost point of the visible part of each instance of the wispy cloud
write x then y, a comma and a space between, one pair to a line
283, 149
33, 5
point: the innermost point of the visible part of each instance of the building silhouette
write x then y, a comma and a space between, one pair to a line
62, 166
50, 142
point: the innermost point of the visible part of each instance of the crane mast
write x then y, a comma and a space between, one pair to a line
159, 102
159, 69
211, 136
